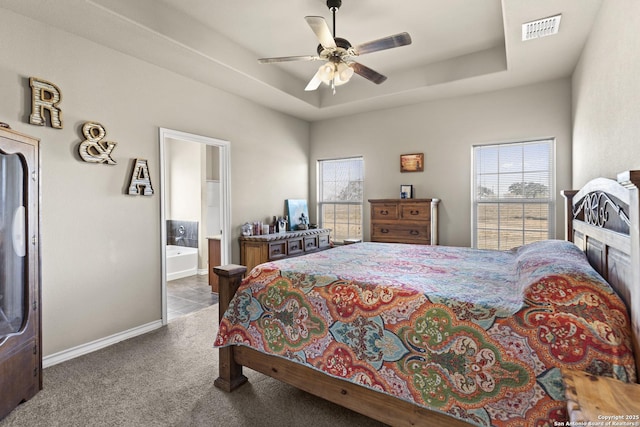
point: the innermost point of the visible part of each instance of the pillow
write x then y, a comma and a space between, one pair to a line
535, 261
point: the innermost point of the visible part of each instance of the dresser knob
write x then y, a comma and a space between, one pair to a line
384, 212
414, 232
413, 212
384, 230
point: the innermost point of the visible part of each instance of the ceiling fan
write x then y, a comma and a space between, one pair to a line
337, 53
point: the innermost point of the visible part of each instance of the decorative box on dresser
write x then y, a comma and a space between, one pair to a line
256, 250
404, 221
20, 339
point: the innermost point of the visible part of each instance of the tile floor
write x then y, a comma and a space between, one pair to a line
189, 294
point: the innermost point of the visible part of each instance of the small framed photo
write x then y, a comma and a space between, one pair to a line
412, 162
406, 191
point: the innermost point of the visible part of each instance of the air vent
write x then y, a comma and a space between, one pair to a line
541, 28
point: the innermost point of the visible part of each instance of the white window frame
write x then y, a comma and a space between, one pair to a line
356, 204
550, 201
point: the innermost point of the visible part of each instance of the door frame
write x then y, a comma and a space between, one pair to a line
225, 189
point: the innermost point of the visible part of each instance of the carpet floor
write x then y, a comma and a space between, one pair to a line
165, 378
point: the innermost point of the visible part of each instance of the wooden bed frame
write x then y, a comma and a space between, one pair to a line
603, 219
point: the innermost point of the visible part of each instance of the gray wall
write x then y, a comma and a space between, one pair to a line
445, 131
101, 248
606, 95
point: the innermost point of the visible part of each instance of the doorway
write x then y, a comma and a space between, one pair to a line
221, 164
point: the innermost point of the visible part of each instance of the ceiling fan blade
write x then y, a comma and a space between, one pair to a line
368, 73
288, 59
321, 30
397, 40
314, 83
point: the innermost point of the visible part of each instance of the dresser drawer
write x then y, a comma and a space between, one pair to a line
323, 241
310, 243
294, 246
415, 211
384, 211
277, 250
405, 233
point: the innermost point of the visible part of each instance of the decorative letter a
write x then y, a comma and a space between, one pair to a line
45, 96
140, 178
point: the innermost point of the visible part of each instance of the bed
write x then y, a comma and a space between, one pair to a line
428, 335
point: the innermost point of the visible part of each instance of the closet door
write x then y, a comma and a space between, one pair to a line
20, 361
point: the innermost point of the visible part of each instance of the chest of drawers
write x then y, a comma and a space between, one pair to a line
404, 221
256, 250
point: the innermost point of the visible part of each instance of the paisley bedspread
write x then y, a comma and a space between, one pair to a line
479, 335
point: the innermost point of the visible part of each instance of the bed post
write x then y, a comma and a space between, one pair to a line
230, 372
631, 181
568, 208
434, 221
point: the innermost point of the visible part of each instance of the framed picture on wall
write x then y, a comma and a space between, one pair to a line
412, 162
406, 191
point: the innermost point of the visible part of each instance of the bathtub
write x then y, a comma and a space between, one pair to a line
181, 262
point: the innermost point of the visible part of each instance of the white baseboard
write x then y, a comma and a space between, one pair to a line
92, 346
203, 271
181, 274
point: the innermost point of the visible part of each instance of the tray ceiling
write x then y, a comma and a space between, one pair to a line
459, 47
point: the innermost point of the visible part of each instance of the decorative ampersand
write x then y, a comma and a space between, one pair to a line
93, 149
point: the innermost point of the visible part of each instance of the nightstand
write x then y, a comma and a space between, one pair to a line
600, 400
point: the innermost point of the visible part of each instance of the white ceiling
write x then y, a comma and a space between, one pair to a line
459, 46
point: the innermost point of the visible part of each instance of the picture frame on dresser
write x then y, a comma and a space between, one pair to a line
406, 191
298, 213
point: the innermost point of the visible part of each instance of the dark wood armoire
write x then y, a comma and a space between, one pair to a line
20, 340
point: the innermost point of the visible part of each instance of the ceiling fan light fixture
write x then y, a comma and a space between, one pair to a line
326, 72
333, 74
337, 81
345, 72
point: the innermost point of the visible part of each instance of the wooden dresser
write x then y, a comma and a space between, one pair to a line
404, 221
255, 250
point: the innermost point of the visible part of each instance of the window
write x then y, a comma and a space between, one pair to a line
513, 194
340, 197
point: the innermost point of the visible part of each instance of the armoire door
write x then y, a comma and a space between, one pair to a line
20, 354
